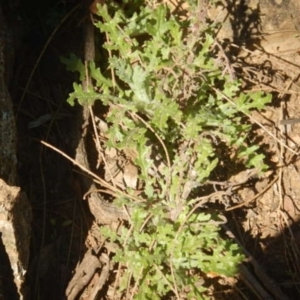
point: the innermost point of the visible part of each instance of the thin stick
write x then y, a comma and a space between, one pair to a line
93, 175
289, 121
255, 197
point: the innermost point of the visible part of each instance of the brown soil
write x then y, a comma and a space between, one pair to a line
263, 48
268, 58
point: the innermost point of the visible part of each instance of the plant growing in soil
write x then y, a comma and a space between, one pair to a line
168, 111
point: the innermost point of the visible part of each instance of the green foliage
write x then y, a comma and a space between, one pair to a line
151, 254
167, 99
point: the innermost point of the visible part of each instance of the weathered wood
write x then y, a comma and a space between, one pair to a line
15, 212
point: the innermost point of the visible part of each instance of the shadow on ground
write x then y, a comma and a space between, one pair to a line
60, 219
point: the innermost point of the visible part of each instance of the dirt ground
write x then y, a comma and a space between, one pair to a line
268, 59
262, 42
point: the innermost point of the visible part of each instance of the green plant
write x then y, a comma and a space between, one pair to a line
167, 102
